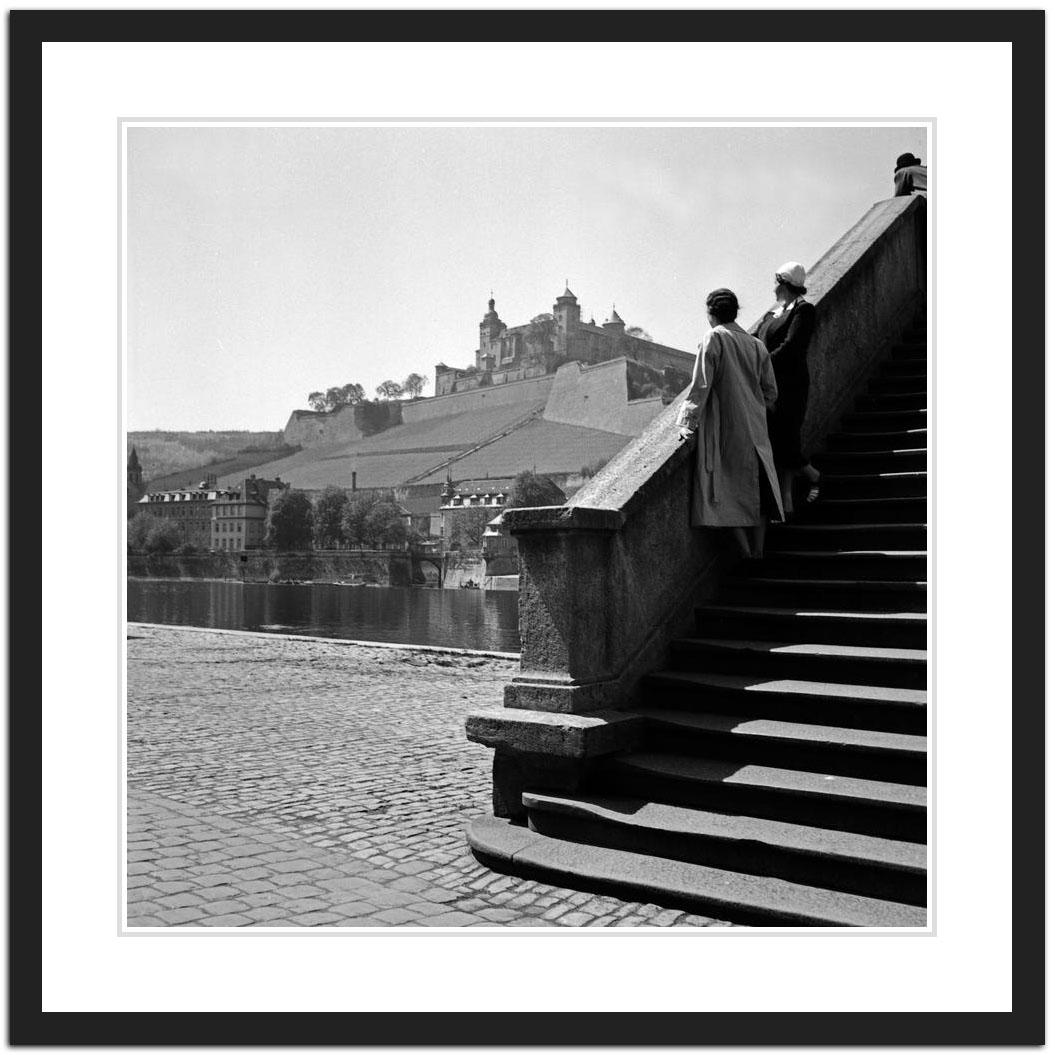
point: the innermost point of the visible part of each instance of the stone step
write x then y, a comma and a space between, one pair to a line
898, 383
810, 661
885, 809
850, 751
873, 595
896, 440
752, 694
885, 420
718, 893
893, 401
901, 629
881, 510
866, 462
796, 536
914, 350
863, 564
859, 864
904, 367
874, 485
697, 690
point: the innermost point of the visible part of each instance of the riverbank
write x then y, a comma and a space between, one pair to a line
377, 567
455, 570
280, 781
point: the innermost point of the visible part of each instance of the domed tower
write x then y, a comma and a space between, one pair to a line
566, 318
491, 328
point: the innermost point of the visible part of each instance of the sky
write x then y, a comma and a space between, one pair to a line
267, 263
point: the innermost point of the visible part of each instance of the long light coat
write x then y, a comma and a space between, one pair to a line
732, 385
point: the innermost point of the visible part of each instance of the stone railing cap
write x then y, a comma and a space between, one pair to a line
562, 518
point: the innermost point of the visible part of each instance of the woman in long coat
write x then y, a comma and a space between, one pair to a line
732, 385
786, 334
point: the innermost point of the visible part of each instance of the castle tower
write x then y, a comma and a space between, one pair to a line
566, 317
615, 324
490, 328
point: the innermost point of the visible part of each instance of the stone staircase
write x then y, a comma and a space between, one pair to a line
780, 773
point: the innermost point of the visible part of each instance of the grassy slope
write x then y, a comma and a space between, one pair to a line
162, 454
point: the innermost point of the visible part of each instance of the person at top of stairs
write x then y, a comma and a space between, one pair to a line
732, 385
786, 334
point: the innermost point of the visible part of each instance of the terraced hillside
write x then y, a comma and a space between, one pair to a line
494, 433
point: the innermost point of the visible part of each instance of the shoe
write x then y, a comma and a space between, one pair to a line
813, 493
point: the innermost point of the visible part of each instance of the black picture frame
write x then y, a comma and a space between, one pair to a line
1022, 175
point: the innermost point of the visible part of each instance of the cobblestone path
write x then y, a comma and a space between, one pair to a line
303, 783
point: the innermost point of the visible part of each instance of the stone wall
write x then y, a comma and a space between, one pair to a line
596, 397
307, 428
533, 390
463, 567
377, 567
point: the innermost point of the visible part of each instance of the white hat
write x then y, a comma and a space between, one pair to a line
792, 273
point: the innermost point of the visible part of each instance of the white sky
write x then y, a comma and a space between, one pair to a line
265, 263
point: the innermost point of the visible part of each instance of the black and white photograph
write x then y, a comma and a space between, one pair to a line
537, 527
527, 525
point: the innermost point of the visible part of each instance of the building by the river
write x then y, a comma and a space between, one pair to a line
211, 517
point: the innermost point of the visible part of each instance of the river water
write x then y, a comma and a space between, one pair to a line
453, 618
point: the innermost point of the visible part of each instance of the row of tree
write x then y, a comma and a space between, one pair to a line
351, 394
362, 520
337, 519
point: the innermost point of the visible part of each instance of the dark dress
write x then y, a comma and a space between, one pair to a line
787, 337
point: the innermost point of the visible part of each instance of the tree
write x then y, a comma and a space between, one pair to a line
531, 489
390, 390
353, 519
329, 509
138, 529
636, 331
385, 525
539, 338
186, 549
468, 525
371, 520
336, 396
163, 537
352, 393
414, 384
289, 521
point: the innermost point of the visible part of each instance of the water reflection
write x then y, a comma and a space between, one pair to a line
454, 618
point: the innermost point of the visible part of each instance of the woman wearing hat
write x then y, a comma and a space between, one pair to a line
786, 334
910, 176
732, 384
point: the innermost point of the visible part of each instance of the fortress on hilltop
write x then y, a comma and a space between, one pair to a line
520, 365
537, 348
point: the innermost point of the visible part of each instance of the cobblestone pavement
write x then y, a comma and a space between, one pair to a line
277, 782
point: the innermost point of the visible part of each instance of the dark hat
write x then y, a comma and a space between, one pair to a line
906, 159
722, 296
